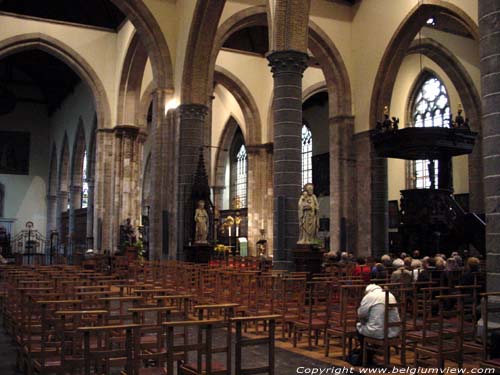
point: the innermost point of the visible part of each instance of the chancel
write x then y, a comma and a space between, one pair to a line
183, 179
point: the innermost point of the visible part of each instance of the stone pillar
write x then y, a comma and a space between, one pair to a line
62, 206
75, 201
287, 68
90, 213
51, 213
128, 176
341, 183
104, 191
192, 124
489, 47
260, 194
371, 198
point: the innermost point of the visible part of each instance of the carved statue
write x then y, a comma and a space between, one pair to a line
308, 216
201, 222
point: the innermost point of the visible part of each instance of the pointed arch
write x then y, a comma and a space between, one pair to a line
129, 91
153, 39
401, 41
245, 100
230, 129
195, 85
69, 56
457, 73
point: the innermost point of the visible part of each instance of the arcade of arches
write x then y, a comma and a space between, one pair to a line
105, 117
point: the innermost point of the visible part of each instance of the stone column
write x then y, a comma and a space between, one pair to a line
129, 152
62, 206
287, 68
192, 124
90, 213
75, 201
259, 193
341, 183
51, 213
371, 198
104, 191
489, 47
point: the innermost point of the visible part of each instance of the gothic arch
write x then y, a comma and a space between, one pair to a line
152, 38
471, 102
325, 51
129, 91
457, 73
196, 88
245, 101
225, 142
399, 44
145, 103
69, 56
79, 148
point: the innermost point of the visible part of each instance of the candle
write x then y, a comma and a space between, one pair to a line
237, 230
230, 231
262, 224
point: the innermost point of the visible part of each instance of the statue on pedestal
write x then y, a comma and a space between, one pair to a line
308, 216
201, 223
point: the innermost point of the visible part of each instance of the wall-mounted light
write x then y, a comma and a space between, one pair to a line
171, 104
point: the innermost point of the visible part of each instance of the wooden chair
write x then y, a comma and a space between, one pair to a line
313, 316
202, 348
384, 344
269, 340
448, 343
342, 324
488, 306
105, 347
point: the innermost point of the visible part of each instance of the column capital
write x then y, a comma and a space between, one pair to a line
342, 118
287, 61
75, 189
193, 111
51, 197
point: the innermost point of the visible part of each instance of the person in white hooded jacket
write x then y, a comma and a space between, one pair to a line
371, 313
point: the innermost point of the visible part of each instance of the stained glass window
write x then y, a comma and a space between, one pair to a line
431, 109
85, 185
306, 155
241, 178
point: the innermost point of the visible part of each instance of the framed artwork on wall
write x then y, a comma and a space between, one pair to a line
14, 152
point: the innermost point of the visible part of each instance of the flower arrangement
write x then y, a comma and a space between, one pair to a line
220, 248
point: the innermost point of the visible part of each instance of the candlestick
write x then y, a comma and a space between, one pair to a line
229, 231
237, 230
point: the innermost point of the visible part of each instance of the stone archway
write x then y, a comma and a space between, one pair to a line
399, 45
372, 216
129, 93
153, 40
471, 102
69, 56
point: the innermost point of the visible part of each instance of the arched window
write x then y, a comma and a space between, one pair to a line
306, 155
85, 185
431, 108
239, 172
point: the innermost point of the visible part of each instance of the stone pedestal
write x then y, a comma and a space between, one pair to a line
308, 259
198, 253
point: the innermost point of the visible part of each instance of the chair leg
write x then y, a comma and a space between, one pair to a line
327, 344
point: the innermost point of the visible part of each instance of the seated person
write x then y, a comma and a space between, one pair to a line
362, 269
371, 315
379, 271
403, 274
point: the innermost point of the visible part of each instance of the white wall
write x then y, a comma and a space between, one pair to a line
25, 195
